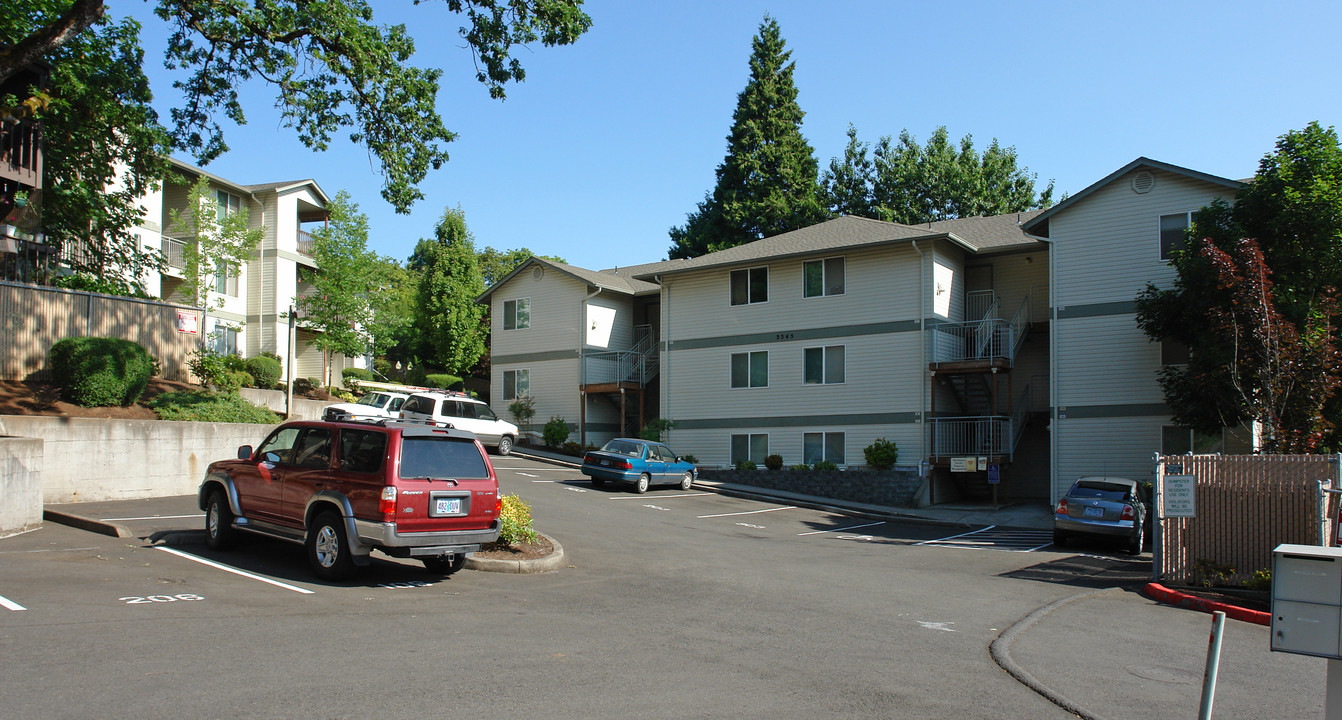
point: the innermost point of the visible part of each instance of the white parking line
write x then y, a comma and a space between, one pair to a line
659, 497
235, 571
850, 527
971, 532
156, 517
749, 512
525, 474
10, 604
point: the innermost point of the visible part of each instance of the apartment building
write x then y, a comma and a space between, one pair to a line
991, 350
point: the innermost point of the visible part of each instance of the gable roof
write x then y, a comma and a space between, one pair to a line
1034, 224
606, 280
190, 169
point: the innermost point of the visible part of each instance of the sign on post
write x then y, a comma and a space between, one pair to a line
1178, 497
994, 474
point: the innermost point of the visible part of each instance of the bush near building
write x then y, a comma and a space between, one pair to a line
96, 372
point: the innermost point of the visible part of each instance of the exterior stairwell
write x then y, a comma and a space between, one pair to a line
621, 378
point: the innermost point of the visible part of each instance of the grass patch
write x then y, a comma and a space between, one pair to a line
201, 406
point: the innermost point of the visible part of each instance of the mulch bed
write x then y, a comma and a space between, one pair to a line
518, 551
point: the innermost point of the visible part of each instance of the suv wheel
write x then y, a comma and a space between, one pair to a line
327, 550
505, 445
219, 532
641, 486
443, 566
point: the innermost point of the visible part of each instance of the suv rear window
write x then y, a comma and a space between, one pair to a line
419, 404
441, 457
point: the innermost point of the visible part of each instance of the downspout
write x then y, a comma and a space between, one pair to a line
582, 369
1052, 369
664, 361
922, 365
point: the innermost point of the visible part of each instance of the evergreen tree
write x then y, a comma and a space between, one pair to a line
767, 184
448, 318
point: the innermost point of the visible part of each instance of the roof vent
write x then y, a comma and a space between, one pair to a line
1142, 182
537, 272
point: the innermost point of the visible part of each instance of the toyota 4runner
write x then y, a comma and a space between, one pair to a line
345, 489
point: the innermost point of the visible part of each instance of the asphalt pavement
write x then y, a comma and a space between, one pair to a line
1104, 651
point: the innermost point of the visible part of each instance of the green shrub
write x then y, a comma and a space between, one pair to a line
265, 371
799, 466
1261, 580
351, 377
442, 380
305, 385
575, 449
95, 372
881, 454
746, 465
382, 367
234, 363
208, 366
555, 432
239, 379
516, 517
774, 462
655, 428
825, 465
522, 409
201, 406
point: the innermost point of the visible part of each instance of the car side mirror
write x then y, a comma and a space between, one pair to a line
245, 452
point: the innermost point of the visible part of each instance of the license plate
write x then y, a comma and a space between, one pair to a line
607, 463
1094, 512
447, 506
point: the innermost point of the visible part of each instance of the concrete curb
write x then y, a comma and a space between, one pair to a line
1000, 649
1165, 595
549, 563
89, 524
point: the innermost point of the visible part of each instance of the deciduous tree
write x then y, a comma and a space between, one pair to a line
448, 318
340, 304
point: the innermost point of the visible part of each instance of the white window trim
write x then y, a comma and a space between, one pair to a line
823, 361
824, 445
824, 286
504, 382
1188, 216
748, 386
767, 289
768, 445
504, 313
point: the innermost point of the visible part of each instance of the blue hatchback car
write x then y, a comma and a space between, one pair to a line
638, 462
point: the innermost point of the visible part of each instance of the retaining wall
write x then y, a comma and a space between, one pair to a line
899, 487
20, 484
304, 409
88, 460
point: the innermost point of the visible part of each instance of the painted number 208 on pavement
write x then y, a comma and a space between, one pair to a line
136, 599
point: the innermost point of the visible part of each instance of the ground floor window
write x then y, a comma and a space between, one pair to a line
822, 447
225, 340
516, 384
752, 447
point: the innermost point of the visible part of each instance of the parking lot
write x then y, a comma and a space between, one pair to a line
669, 604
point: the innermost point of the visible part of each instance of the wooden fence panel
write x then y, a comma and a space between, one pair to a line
1246, 505
33, 318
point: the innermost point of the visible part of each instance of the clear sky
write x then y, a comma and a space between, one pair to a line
611, 141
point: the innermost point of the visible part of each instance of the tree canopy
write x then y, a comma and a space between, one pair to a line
332, 68
908, 183
767, 183
1255, 302
448, 319
340, 304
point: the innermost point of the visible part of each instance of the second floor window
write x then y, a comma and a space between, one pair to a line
517, 314
226, 279
822, 277
1173, 234
823, 366
750, 370
750, 286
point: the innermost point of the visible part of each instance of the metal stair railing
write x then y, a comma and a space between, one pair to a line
637, 364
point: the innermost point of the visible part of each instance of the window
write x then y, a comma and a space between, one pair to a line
822, 446
1173, 234
750, 286
823, 366
822, 277
516, 384
420, 404
517, 314
226, 279
362, 451
1173, 352
750, 370
225, 340
225, 204
1178, 440
753, 447
314, 450
279, 447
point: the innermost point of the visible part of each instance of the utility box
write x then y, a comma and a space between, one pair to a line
1307, 600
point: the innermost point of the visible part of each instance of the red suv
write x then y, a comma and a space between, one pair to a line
344, 489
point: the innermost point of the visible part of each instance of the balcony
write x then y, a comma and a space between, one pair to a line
305, 243
21, 153
174, 253
610, 370
988, 341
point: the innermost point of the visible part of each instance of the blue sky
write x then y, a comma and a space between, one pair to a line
611, 141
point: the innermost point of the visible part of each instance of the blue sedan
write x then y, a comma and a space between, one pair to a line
638, 462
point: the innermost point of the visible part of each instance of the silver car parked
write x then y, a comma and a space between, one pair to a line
1102, 507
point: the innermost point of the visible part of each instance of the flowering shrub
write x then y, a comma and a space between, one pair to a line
516, 517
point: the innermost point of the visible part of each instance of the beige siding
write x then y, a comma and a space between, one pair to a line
556, 304
554, 386
599, 320
1123, 446
1106, 360
1108, 244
